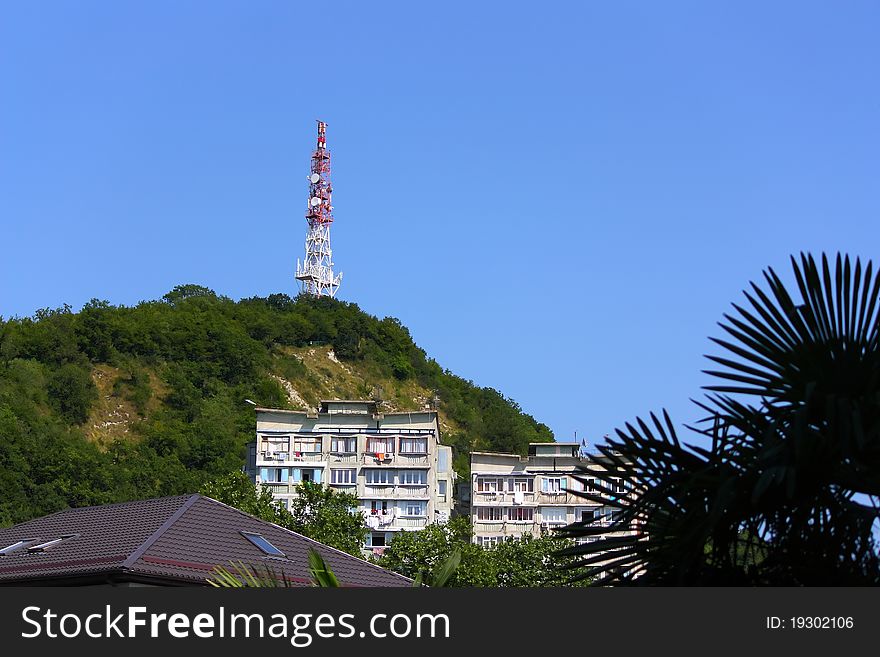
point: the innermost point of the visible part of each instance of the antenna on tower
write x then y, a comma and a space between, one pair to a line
315, 273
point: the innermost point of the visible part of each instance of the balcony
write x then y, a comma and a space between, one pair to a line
486, 497
412, 491
378, 490
343, 457
483, 527
277, 488
412, 522
559, 498
412, 460
299, 457
508, 498
372, 459
272, 456
379, 520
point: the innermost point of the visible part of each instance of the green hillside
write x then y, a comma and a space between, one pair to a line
116, 403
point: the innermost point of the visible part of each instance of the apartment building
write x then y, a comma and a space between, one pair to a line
513, 495
393, 462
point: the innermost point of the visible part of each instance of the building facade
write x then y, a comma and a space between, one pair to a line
393, 462
513, 495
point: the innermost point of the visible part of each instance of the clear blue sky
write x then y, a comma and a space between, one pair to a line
559, 200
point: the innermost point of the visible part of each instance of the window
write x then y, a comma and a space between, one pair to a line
376, 540
520, 514
442, 460
276, 446
489, 485
416, 508
604, 513
376, 445
343, 444
489, 541
413, 477
521, 484
17, 545
274, 475
307, 474
590, 485
618, 486
46, 545
379, 477
554, 514
263, 544
441, 487
344, 477
587, 516
489, 514
553, 485
413, 445
303, 444
377, 506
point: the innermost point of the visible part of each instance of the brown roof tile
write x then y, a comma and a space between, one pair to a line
171, 539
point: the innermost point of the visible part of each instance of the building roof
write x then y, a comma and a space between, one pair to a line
169, 540
557, 443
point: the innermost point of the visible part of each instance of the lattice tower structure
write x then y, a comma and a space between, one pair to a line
315, 274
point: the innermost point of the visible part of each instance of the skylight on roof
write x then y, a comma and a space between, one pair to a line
47, 544
262, 543
17, 545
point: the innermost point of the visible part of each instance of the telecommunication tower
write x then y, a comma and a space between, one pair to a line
315, 274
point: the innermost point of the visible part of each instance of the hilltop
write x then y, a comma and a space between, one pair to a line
115, 403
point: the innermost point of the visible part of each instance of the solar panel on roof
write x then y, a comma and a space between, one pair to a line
262, 543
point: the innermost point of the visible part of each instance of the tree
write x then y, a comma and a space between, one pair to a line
237, 490
73, 391
188, 291
417, 554
788, 492
328, 516
444, 555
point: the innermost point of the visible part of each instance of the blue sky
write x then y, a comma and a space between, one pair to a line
559, 200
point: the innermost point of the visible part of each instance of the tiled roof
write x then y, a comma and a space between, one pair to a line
170, 539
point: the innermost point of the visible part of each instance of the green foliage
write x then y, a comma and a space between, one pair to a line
328, 516
321, 574
263, 576
72, 391
186, 364
789, 491
443, 555
237, 490
443, 572
254, 576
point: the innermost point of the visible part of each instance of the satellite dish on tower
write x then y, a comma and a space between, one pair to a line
314, 177
315, 201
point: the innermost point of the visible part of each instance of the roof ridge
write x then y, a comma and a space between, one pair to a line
139, 552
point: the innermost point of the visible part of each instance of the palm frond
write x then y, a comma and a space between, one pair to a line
788, 491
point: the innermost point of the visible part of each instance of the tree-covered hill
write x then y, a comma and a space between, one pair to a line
116, 403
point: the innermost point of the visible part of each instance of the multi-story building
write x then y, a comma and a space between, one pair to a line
513, 495
393, 462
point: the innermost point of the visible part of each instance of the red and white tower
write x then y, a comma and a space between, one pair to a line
315, 274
